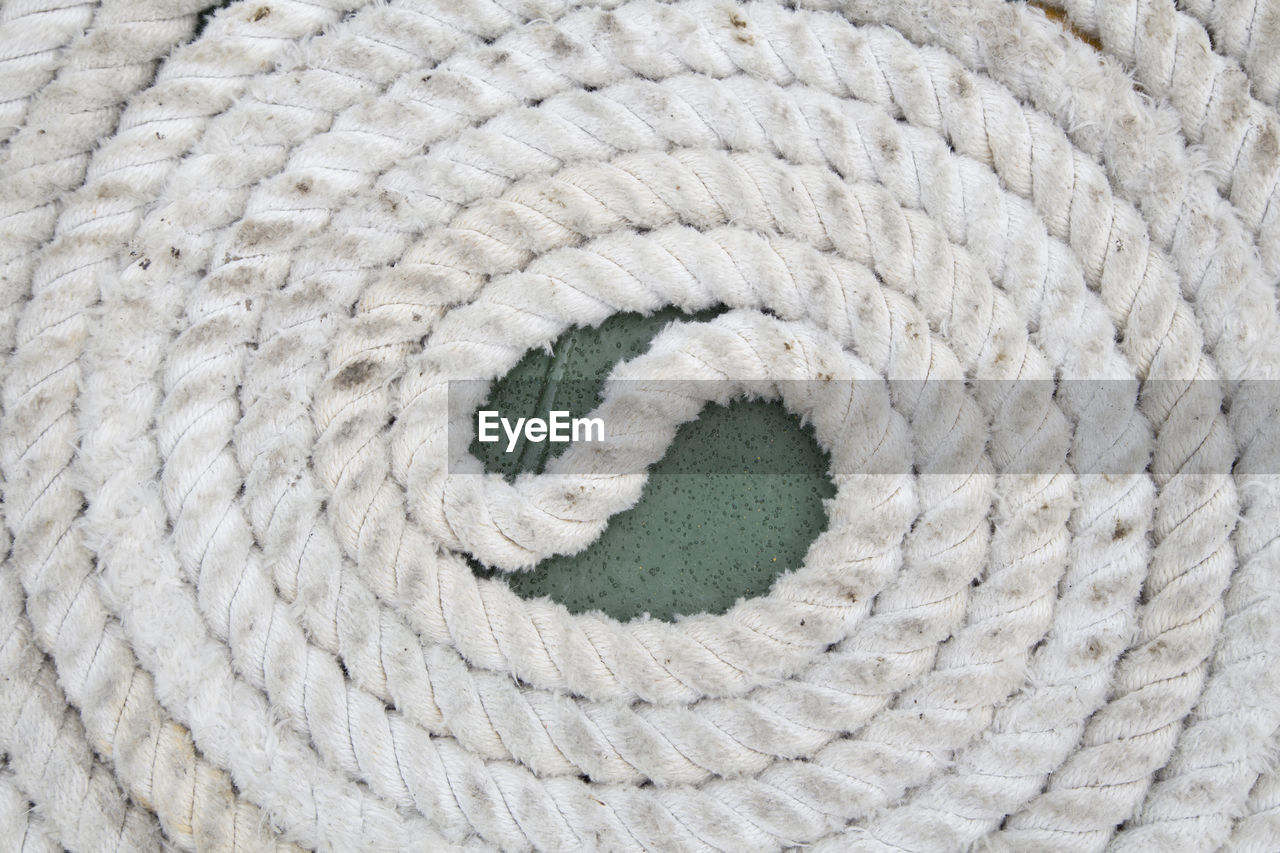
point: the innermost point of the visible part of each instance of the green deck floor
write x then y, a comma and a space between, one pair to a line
696, 542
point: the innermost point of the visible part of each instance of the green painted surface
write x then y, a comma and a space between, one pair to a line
695, 542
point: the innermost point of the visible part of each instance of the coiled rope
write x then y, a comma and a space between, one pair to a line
245, 251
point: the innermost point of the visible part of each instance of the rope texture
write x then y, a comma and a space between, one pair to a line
244, 249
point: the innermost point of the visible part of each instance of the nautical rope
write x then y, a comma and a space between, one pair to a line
246, 251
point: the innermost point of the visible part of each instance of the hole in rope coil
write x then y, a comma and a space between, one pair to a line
695, 542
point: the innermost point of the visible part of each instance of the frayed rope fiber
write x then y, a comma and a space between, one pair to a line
245, 250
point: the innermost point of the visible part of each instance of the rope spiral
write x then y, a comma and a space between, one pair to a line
246, 249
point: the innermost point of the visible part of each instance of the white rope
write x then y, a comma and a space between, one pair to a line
242, 266
28, 832
34, 36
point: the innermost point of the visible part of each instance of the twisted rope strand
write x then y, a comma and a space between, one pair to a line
29, 832
1173, 57
32, 40
49, 756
